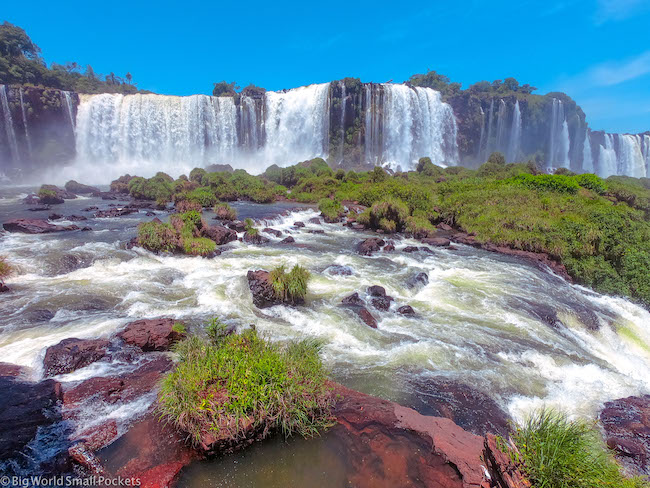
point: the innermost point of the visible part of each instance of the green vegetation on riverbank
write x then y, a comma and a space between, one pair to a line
555, 452
599, 229
242, 386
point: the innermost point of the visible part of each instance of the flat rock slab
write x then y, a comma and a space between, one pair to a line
35, 226
72, 354
151, 334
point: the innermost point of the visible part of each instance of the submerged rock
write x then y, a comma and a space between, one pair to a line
237, 226
382, 303
626, 422
255, 238
418, 280
436, 241
288, 240
339, 270
35, 226
116, 212
406, 310
72, 354
367, 317
299, 224
353, 300
376, 291
151, 334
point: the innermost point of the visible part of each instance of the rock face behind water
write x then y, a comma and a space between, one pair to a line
151, 334
627, 429
35, 226
72, 354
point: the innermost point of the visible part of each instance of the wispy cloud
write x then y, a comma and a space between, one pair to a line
615, 10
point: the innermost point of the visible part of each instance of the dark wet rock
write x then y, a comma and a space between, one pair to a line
288, 240
410, 249
91, 304
406, 310
38, 315
382, 303
316, 231
299, 224
35, 226
261, 288
151, 334
370, 245
116, 212
51, 200
387, 444
122, 388
90, 209
4, 288
436, 241
40, 208
626, 422
72, 354
76, 218
86, 229
142, 204
98, 436
367, 317
13, 370
150, 214
418, 280
314, 220
255, 238
237, 226
445, 227
542, 312
339, 270
376, 291
219, 234
426, 249
459, 402
273, 232
59, 194
353, 300
31, 199
389, 248
24, 408
357, 226
79, 188
107, 195
55, 216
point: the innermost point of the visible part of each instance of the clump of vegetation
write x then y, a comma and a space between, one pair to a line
290, 287
243, 386
184, 233
331, 210
179, 328
250, 228
389, 214
559, 183
158, 188
559, 453
225, 211
156, 236
216, 330
183, 206
198, 246
5, 269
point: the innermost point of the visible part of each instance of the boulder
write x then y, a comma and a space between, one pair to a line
35, 226
376, 291
418, 280
237, 226
382, 303
367, 317
151, 334
338, 270
90, 209
436, 241
40, 208
299, 224
353, 300
55, 216
219, 234
445, 227
261, 288
79, 188
115, 212
314, 220
255, 238
72, 354
410, 249
503, 471
273, 232
288, 240
406, 310
626, 422
370, 245
389, 248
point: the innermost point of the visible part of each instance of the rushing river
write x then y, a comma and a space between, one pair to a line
520, 334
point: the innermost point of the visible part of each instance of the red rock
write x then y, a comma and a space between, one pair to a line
445, 227
151, 334
99, 436
367, 317
436, 241
219, 234
370, 245
504, 473
353, 300
72, 354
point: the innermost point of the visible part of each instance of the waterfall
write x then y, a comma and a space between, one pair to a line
67, 103
607, 158
515, 134
488, 144
9, 124
416, 123
481, 140
373, 124
559, 143
501, 127
631, 161
646, 152
28, 138
343, 102
250, 128
587, 159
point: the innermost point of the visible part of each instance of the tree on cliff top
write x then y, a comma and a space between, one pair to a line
15, 42
225, 89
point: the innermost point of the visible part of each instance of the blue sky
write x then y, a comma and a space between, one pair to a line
598, 51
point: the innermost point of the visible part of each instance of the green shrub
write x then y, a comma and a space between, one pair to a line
45, 193
419, 226
497, 158
179, 328
197, 175
156, 236
244, 386
183, 206
292, 286
159, 187
561, 453
198, 246
225, 211
388, 226
557, 183
331, 210
592, 182
203, 196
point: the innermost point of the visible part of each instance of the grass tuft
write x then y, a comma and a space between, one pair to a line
292, 286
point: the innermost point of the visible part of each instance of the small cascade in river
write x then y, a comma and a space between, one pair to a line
28, 138
515, 134
9, 124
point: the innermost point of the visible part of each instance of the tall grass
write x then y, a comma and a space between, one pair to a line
560, 453
242, 386
292, 286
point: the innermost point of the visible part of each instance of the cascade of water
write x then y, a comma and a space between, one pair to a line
67, 102
559, 142
587, 158
417, 124
250, 126
9, 125
373, 124
515, 134
481, 140
646, 152
343, 103
28, 138
489, 144
630, 156
607, 165
501, 127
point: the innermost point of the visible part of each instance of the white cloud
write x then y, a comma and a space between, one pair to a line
615, 10
613, 73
